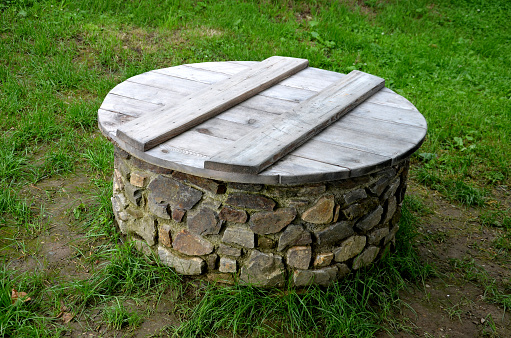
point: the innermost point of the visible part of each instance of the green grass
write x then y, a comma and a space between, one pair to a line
60, 58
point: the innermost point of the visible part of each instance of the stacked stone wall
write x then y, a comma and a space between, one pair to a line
259, 234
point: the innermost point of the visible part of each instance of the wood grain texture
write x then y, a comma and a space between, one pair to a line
263, 147
149, 131
383, 130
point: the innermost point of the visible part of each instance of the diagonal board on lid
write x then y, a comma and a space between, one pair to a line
263, 147
152, 129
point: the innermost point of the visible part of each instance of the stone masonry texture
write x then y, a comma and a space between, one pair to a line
266, 235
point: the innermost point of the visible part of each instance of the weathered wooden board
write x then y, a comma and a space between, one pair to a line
265, 146
149, 131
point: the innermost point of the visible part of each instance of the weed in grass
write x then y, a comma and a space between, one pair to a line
496, 218
117, 317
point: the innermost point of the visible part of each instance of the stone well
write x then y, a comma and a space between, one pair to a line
324, 209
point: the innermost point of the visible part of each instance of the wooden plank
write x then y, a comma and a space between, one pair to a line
127, 106
265, 146
147, 93
194, 74
380, 112
171, 83
149, 131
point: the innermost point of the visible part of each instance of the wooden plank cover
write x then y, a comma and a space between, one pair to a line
148, 131
263, 147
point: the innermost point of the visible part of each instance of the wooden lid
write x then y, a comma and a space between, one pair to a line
270, 122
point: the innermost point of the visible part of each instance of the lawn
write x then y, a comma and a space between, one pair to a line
450, 274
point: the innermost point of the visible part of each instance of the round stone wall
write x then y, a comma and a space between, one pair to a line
259, 234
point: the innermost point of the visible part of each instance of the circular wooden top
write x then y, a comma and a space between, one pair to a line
381, 131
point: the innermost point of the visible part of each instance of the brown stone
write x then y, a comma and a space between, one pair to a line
365, 258
233, 215
178, 214
336, 213
164, 189
299, 257
246, 186
270, 222
321, 212
312, 190
334, 233
205, 222
136, 213
323, 277
143, 165
192, 244
350, 248
265, 270
201, 182
239, 235
323, 259
265, 243
298, 203
222, 278
370, 220
250, 201
294, 235
164, 235
138, 179
227, 265
228, 250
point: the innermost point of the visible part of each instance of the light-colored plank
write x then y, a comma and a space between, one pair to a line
127, 106
147, 93
392, 114
194, 74
229, 68
265, 146
147, 132
175, 84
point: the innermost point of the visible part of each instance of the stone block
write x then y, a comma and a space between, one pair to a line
233, 215
392, 235
365, 258
135, 212
116, 207
118, 183
141, 246
298, 203
353, 196
143, 165
350, 183
350, 248
343, 270
270, 222
390, 209
391, 190
192, 244
375, 236
357, 210
337, 212
163, 189
334, 233
299, 257
322, 277
123, 226
227, 265
381, 184
146, 228
158, 209
226, 250
164, 235
321, 212
120, 165
211, 261
294, 235
178, 214
184, 266
133, 194
223, 278
250, 201
240, 236
311, 190
212, 186
120, 153
323, 259
265, 243
122, 200
246, 186
138, 179
205, 222
371, 220
265, 270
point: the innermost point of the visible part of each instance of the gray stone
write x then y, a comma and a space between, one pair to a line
122, 216
294, 235
184, 266
265, 243
118, 183
375, 236
164, 235
390, 209
158, 209
270, 222
381, 184
312, 190
350, 248
246, 186
391, 190
133, 194
228, 250
120, 165
239, 235
205, 222
146, 228
334, 233
323, 259
359, 209
123, 226
211, 261
321, 212
163, 189
351, 183
233, 215
371, 220
353, 196
122, 200
343, 270
299, 257
366, 257
250, 201
265, 270
392, 235
192, 244
115, 205
201, 182
135, 212
227, 265
323, 277
141, 246
118, 152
